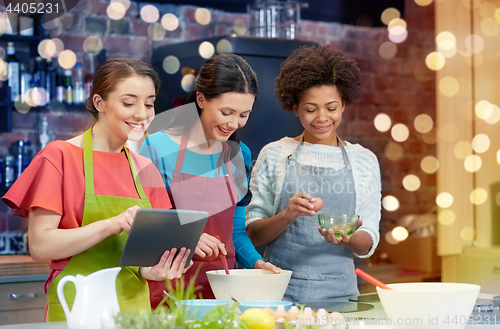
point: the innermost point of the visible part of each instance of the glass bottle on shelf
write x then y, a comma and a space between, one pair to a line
60, 89
44, 132
9, 176
89, 61
1, 172
51, 80
25, 81
12, 74
79, 91
68, 86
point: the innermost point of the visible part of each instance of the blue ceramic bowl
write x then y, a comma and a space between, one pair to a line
245, 305
198, 308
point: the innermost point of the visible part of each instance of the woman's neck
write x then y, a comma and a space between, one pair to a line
199, 143
104, 140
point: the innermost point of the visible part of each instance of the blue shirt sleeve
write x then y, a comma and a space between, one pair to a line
246, 254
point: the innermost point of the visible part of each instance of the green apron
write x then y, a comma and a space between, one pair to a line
131, 289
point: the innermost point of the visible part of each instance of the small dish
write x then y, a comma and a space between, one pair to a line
272, 304
347, 223
198, 308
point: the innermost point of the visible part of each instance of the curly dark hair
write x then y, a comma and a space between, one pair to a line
313, 66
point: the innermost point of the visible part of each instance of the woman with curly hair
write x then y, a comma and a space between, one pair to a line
316, 83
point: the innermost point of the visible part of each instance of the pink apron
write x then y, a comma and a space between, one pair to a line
217, 196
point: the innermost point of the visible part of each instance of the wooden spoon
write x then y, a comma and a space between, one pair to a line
371, 279
223, 259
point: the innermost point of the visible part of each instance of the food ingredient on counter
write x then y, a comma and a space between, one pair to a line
318, 204
257, 318
280, 313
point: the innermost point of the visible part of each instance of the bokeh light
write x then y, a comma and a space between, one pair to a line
67, 59
478, 196
170, 22
448, 86
490, 27
435, 61
429, 164
480, 143
423, 123
206, 49
171, 64
446, 217
467, 233
240, 26
474, 43
395, 23
483, 109
390, 203
224, 46
187, 82
47, 48
389, 14
393, 151
382, 122
423, 2
202, 16
473, 61
399, 233
390, 239
116, 11
156, 32
487, 10
446, 40
497, 15
387, 50
411, 183
497, 197
495, 115
498, 156
431, 137
150, 14
125, 3
444, 199
93, 45
473, 163
400, 132
398, 34
462, 150
448, 132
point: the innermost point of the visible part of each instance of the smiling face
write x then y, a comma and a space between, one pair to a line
320, 112
128, 109
222, 116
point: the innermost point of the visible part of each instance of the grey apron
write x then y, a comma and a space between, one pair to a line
321, 270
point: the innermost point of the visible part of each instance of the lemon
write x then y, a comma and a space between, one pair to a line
257, 318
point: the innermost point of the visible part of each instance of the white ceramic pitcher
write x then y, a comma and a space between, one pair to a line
95, 298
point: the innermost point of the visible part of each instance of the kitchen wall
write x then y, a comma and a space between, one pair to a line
401, 87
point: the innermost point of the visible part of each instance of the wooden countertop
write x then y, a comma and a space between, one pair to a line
21, 265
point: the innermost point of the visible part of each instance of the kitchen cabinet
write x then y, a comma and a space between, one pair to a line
468, 238
22, 302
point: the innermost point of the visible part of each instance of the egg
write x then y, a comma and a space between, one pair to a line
307, 317
318, 204
268, 310
292, 315
279, 313
336, 318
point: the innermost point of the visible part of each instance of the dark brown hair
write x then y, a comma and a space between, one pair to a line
313, 66
114, 71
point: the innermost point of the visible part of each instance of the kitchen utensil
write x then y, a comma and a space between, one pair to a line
370, 279
95, 298
198, 308
170, 296
273, 304
223, 259
429, 305
232, 298
339, 222
249, 284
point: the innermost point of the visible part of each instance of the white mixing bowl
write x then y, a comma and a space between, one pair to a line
249, 284
429, 305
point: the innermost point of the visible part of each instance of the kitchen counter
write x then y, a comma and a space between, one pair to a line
21, 268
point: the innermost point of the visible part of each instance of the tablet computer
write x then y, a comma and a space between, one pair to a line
155, 231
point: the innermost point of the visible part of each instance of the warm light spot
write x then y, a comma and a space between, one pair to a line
399, 233
462, 149
446, 40
481, 143
150, 14
396, 22
116, 11
444, 200
58, 44
497, 197
224, 47
206, 49
487, 10
431, 137
448, 53
393, 151
67, 59
423, 2
125, 3
467, 233
473, 163
92, 45
202, 16
239, 26
390, 239
389, 14
171, 64
36, 97
448, 86
400, 132
398, 34
382, 122
448, 132
429, 164
478, 196
495, 115
435, 61
2, 63
387, 50
188, 82
474, 43
390, 203
47, 48
170, 22
483, 109
498, 156
446, 217
156, 32
411, 183
490, 27
497, 15
23, 107
423, 123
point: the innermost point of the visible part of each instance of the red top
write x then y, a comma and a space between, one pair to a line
55, 180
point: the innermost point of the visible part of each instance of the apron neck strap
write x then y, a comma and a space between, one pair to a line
88, 165
293, 155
